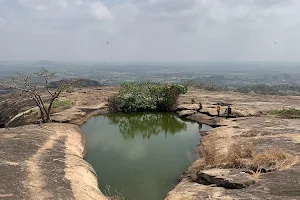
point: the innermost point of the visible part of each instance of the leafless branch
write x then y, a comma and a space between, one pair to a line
23, 83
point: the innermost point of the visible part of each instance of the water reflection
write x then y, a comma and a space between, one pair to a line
147, 124
200, 127
140, 168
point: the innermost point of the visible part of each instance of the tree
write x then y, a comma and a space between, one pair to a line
24, 83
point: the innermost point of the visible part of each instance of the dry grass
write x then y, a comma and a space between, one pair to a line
113, 195
256, 176
273, 158
224, 152
241, 154
63, 104
286, 113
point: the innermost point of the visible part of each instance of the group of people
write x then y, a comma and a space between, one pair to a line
227, 111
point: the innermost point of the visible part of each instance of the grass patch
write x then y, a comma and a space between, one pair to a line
286, 113
273, 158
62, 104
113, 195
241, 154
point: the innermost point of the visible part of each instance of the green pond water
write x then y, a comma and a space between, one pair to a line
140, 155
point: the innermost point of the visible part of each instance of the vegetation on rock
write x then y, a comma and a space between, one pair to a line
62, 104
146, 97
241, 154
286, 113
28, 88
113, 194
78, 82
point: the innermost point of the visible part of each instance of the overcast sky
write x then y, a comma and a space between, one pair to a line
150, 30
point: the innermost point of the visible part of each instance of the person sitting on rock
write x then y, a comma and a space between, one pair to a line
228, 111
200, 107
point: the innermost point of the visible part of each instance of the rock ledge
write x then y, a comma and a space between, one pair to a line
228, 178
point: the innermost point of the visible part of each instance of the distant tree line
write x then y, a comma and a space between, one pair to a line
205, 86
281, 90
78, 82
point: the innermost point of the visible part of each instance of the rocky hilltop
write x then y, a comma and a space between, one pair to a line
46, 161
264, 140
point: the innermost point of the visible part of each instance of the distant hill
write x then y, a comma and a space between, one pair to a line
44, 63
77, 82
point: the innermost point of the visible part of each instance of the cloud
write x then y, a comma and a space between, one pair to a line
100, 11
156, 30
44, 4
69, 10
125, 12
78, 2
2, 22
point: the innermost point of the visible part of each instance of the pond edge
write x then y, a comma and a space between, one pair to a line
79, 122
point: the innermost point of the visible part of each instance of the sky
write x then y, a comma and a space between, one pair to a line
150, 30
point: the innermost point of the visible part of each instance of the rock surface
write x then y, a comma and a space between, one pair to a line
11, 105
228, 178
253, 125
185, 113
187, 190
187, 107
87, 102
27, 151
45, 162
242, 105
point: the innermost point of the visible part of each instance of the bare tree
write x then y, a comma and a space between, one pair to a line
24, 84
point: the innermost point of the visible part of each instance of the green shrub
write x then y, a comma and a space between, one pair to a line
286, 113
114, 103
145, 97
62, 104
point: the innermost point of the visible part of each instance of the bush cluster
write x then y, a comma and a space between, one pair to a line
146, 96
286, 113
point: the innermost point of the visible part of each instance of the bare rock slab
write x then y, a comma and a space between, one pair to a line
45, 162
228, 178
187, 190
186, 113
188, 107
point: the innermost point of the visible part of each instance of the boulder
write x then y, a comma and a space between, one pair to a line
185, 113
228, 178
188, 107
